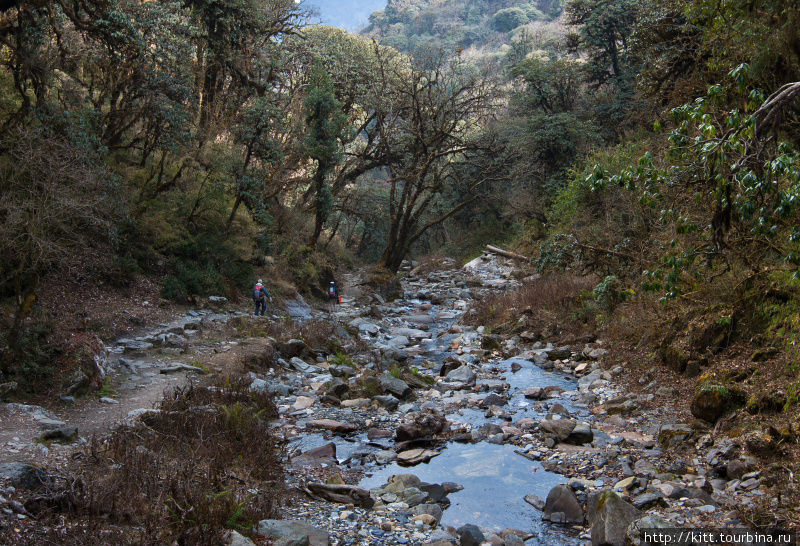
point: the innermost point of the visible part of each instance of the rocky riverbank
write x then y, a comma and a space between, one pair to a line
419, 429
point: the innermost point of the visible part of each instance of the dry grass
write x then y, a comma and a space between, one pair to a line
551, 302
206, 462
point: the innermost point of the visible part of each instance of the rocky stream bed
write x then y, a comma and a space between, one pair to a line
438, 432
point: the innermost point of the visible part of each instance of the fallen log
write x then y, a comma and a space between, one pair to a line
345, 494
507, 253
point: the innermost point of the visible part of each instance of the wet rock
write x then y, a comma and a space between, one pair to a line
470, 535
292, 532
333, 426
415, 456
559, 428
534, 393
611, 520
535, 500
580, 435
494, 400
562, 505
394, 385
433, 510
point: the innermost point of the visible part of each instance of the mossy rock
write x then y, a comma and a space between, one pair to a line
674, 358
763, 354
712, 401
766, 402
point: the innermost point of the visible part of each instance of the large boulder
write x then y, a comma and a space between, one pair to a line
559, 428
394, 385
424, 424
611, 520
23, 474
712, 401
562, 506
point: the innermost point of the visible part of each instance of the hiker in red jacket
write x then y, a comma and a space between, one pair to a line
260, 296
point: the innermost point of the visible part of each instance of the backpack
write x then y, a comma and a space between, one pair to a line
332, 291
257, 294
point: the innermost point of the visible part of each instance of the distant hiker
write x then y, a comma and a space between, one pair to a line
333, 296
260, 296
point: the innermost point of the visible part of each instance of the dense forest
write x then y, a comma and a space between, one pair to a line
649, 146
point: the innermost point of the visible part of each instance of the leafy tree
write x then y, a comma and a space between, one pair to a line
327, 126
605, 28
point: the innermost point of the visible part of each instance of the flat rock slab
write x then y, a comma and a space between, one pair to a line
415, 456
333, 426
175, 368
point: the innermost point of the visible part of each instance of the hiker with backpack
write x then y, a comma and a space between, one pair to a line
260, 296
333, 296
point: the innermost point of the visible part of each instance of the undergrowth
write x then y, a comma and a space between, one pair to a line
206, 461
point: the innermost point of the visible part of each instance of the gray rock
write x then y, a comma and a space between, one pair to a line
611, 520
181, 368
292, 532
292, 348
342, 371
560, 428
302, 366
580, 435
232, 538
23, 474
258, 385
646, 501
470, 535
535, 500
60, 434
394, 385
431, 509
563, 504
463, 374
387, 401
635, 534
